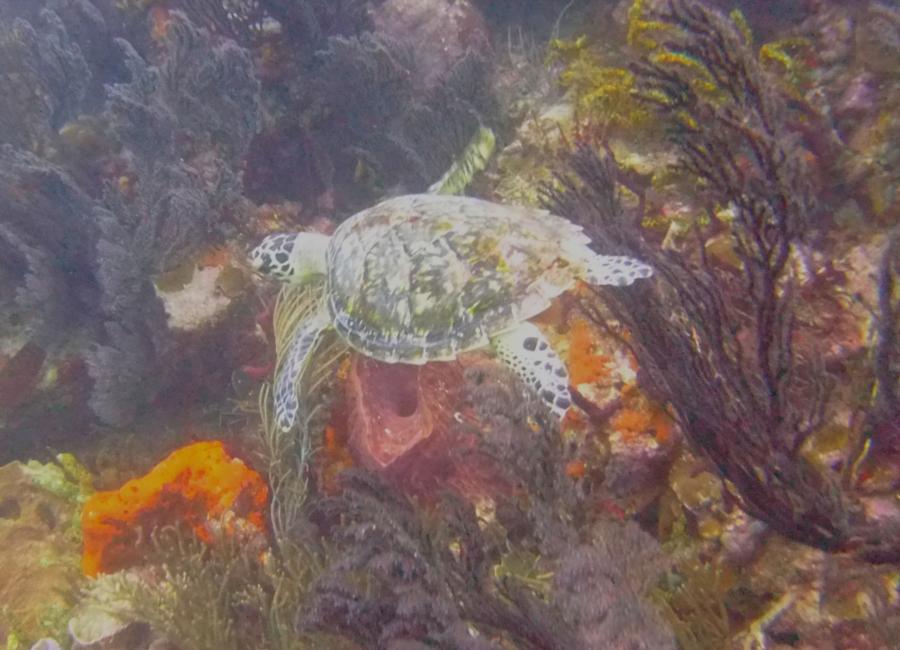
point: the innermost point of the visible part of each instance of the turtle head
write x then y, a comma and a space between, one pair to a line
291, 258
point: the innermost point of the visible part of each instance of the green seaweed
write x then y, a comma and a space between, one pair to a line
472, 160
226, 596
693, 602
66, 478
527, 569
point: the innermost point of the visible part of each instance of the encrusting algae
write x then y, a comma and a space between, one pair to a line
585, 365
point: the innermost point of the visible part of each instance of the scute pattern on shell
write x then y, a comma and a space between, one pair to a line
424, 277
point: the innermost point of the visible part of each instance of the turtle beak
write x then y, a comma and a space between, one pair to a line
255, 264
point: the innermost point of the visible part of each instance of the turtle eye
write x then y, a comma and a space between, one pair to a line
264, 265
260, 259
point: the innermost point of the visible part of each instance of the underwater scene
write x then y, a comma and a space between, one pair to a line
449, 324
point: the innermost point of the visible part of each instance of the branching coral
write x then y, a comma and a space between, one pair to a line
81, 248
404, 133
720, 347
43, 83
185, 139
46, 235
312, 21
695, 361
587, 589
246, 22
883, 418
436, 128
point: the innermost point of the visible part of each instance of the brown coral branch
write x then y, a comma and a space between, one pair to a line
720, 347
883, 419
685, 336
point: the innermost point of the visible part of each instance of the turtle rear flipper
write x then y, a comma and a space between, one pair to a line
526, 351
615, 270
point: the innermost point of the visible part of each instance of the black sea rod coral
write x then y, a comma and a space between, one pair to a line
721, 347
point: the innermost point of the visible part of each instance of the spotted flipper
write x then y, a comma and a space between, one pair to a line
293, 363
615, 270
526, 351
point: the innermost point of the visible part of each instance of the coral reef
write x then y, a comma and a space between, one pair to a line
457, 577
728, 475
199, 486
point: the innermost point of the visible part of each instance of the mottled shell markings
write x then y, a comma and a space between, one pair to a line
425, 277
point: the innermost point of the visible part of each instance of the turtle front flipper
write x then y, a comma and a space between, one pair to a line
300, 320
293, 365
527, 352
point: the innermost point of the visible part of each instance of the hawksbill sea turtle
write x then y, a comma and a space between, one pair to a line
426, 277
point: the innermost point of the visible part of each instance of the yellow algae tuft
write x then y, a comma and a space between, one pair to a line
604, 96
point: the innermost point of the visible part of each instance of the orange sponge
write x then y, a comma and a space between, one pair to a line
585, 365
200, 486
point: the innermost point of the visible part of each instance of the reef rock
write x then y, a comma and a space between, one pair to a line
19, 375
440, 32
38, 555
200, 486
